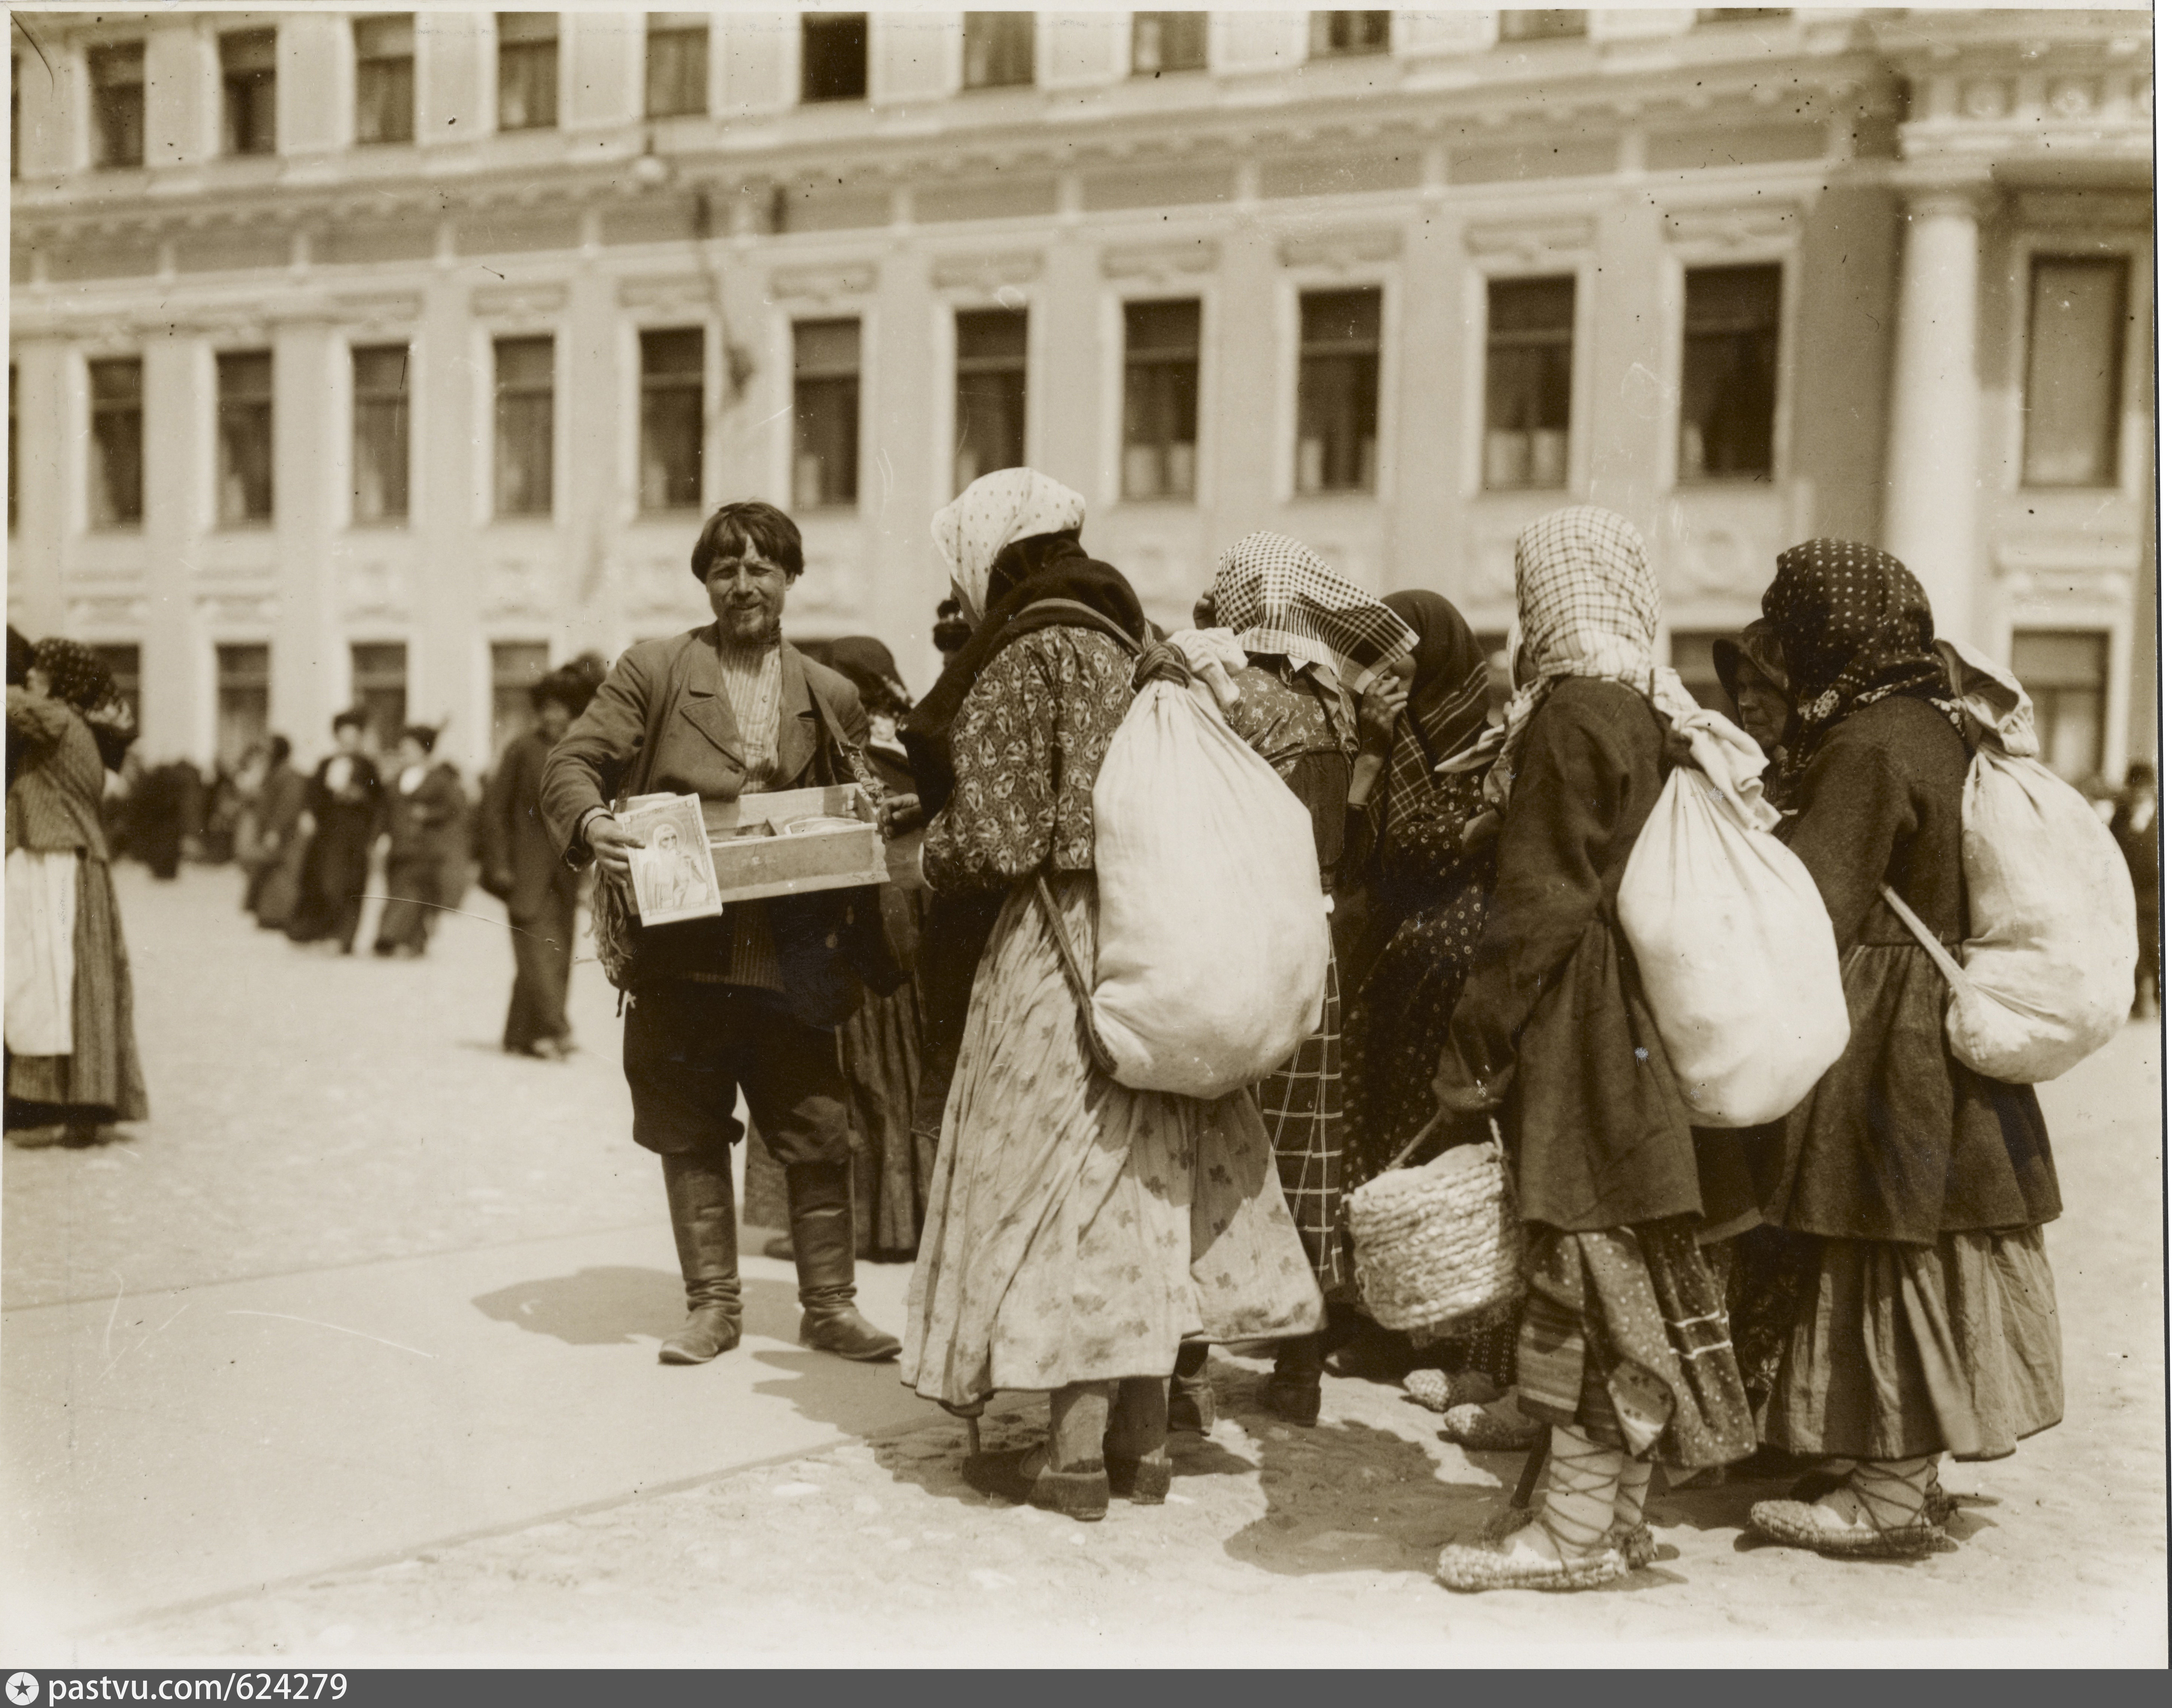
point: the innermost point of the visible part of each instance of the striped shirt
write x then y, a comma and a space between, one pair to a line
753, 685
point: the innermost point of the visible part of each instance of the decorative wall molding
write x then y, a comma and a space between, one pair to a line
1532, 241
822, 284
379, 308
92, 611
517, 301
373, 588
1340, 250
681, 293
1161, 260
2130, 210
230, 611
984, 271
1763, 221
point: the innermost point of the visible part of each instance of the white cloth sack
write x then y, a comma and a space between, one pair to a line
2047, 974
40, 893
1213, 961
1731, 939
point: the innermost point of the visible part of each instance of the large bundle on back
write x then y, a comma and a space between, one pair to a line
1212, 960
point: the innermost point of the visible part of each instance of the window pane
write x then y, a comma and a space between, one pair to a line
1542, 25
14, 461
244, 699
1349, 32
1161, 399
991, 374
525, 417
2077, 349
1167, 41
998, 51
833, 57
380, 688
244, 437
515, 668
527, 70
826, 409
1530, 339
1339, 318
384, 80
677, 70
1338, 391
117, 79
1730, 371
116, 443
2066, 672
125, 658
671, 420
380, 433
248, 64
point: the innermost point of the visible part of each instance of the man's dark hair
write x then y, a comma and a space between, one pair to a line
565, 686
282, 750
423, 735
352, 719
2141, 772
749, 525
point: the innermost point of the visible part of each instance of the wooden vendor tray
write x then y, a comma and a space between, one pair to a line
752, 863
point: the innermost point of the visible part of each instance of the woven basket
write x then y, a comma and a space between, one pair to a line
1438, 1244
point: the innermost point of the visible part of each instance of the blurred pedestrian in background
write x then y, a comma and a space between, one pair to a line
423, 811
269, 842
71, 1025
343, 810
2134, 827
522, 868
159, 815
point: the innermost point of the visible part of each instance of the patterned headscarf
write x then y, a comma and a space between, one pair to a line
74, 673
1587, 605
1447, 707
1855, 627
1011, 504
1279, 596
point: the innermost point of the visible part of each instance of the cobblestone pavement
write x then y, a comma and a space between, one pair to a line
1279, 1544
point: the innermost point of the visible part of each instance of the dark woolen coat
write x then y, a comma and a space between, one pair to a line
1553, 1013
1898, 1141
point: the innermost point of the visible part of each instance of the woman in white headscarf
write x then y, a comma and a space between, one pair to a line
1059, 1254
1623, 1349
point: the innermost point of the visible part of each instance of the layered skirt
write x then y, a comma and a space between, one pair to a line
1077, 1231
101, 1077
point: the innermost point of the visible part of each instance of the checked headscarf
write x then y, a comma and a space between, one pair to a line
1279, 596
1587, 605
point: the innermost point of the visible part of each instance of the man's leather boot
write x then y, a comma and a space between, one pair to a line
821, 1197
698, 1183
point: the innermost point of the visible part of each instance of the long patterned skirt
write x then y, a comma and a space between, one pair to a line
1078, 1231
1301, 1102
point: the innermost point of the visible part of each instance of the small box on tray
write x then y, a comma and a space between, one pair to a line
786, 843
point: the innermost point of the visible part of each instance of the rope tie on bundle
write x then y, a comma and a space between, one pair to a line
1161, 662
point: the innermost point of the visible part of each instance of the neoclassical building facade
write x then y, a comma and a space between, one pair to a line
385, 358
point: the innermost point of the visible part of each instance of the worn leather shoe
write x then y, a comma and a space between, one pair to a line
710, 1329
839, 1327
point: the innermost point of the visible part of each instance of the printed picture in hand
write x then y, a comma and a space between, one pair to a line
674, 878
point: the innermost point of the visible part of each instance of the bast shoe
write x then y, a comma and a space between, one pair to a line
1526, 1559
1826, 1530
1144, 1481
1498, 1428
1024, 1477
1436, 1390
1635, 1543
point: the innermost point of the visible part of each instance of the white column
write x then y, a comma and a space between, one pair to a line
1931, 466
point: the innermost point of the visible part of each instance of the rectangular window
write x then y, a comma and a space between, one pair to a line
385, 79
1167, 41
116, 443
527, 71
1531, 336
1542, 26
833, 57
1336, 33
526, 401
380, 433
244, 699
1338, 391
1730, 372
678, 66
244, 437
515, 668
2077, 354
14, 466
1161, 399
671, 420
998, 49
249, 76
2066, 672
825, 413
15, 118
991, 391
116, 104
125, 658
380, 688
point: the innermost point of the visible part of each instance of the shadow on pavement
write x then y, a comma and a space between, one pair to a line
611, 1307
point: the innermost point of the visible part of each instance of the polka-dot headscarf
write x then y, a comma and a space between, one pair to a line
1011, 504
1855, 627
74, 673
1587, 605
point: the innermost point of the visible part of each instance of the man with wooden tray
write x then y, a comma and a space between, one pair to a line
747, 1000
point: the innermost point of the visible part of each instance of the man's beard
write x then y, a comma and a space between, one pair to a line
770, 634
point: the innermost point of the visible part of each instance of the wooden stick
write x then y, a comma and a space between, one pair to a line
1419, 1138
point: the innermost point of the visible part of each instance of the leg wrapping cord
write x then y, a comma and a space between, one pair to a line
1582, 1480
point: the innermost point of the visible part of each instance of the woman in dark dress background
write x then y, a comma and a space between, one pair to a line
343, 810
